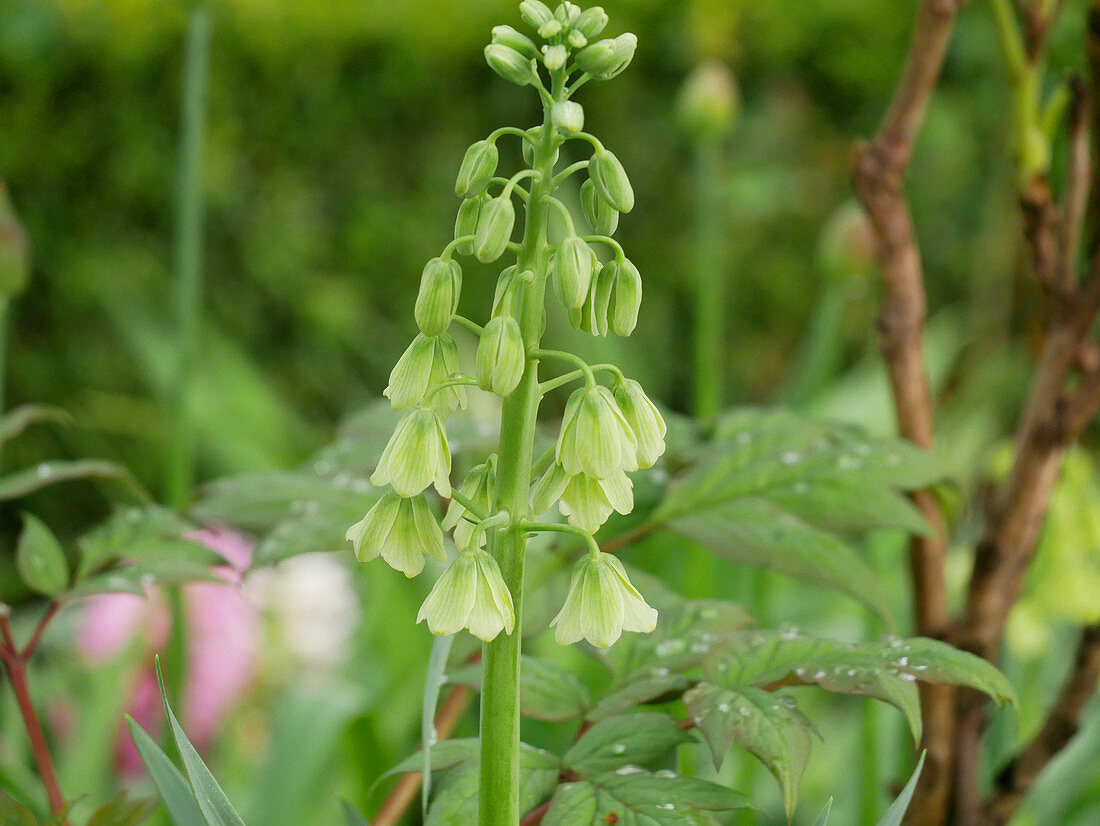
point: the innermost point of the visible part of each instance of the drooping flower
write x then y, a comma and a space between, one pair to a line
588, 501
645, 421
416, 456
501, 356
437, 301
595, 438
424, 364
470, 594
401, 530
549, 488
601, 604
478, 487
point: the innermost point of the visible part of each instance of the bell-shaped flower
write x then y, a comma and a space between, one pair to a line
401, 530
495, 222
626, 297
437, 301
416, 455
606, 171
478, 487
572, 271
645, 421
501, 356
549, 488
470, 594
588, 501
595, 438
427, 361
601, 604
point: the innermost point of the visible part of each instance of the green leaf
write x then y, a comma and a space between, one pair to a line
351, 815
769, 727
850, 504
213, 803
134, 579
823, 818
140, 533
546, 691
309, 533
40, 558
634, 797
18, 419
625, 739
24, 482
173, 789
435, 677
639, 692
896, 812
688, 630
933, 661
260, 501
763, 657
120, 811
455, 801
758, 533
447, 754
15, 813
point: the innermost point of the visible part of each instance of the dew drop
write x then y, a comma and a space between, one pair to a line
791, 457
618, 748
724, 707
668, 807
622, 770
322, 467
44, 471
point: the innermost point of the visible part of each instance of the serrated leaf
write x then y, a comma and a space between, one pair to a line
763, 657
151, 532
758, 533
849, 504
933, 661
896, 812
546, 690
771, 728
215, 806
25, 482
639, 692
136, 578
635, 797
40, 558
121, 811
174, 790
686, 632
622, 740
18, 419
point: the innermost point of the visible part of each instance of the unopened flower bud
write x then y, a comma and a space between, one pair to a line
587, 502
645, 421
576, 39
505, 296
594, 312
466, 222
416, 455
423, 365
609, 177
507, 36
437, 301
401, 530
605, 59
478, 487
591, 22
494, 229
601, 216
626, 298
595, 438
501, 356
534, 13
709, 101
549, 29
567, 117
470, 594
510, 64
477, 169
567, 13
554, 57
549, 488
572, 271
601, 604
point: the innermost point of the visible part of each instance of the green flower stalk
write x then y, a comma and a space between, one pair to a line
607, 431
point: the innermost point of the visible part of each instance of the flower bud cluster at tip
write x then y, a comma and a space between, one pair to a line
606, 432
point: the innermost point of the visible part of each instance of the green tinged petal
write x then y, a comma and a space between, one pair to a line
370, 533
644, 420
448, 605
601, 604
416, 455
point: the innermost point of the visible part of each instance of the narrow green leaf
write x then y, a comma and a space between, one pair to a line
213, 803
18, 419
121, 811
823, 818
24, 482
626, 739
40, 558
896, 812
436, 676
172, 787
455, 801
769, 727
351, 815
639, 692
15, 813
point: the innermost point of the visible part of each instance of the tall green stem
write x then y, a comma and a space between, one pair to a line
499, 791
710, 303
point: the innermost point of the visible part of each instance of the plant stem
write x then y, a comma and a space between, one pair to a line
710, 303
499, 782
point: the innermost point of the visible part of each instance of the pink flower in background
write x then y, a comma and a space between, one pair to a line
222, 644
